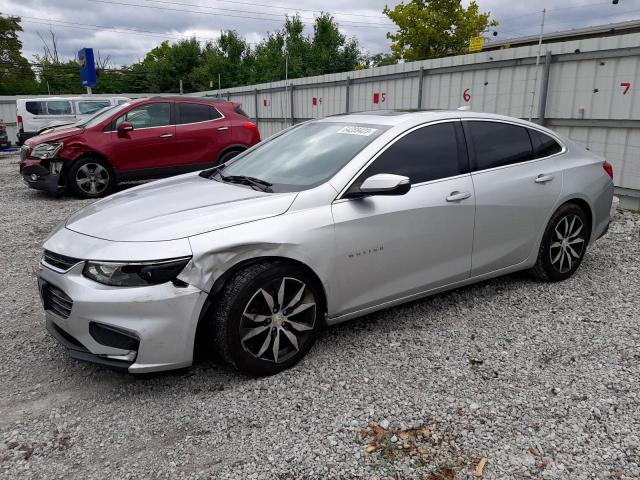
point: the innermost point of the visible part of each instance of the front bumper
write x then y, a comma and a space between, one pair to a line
38, 176
163, 318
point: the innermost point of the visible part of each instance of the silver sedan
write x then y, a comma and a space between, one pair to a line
328, 220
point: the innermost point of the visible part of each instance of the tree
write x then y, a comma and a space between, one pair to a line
229, 57
331, 52
167, 64
16, 75
377, 60
435, 28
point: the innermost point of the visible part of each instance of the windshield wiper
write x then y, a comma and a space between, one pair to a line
251, 181
208, 173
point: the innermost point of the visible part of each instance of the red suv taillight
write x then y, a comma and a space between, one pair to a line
608, 168
254, 129
20, 124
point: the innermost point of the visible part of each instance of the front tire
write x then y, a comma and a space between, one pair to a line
91, 178
563, 245
266, 318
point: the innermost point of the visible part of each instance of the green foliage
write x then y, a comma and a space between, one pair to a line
435, 28
16, 75
427, 28
379, 60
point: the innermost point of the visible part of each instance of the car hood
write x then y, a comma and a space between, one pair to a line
54, 136
175, 208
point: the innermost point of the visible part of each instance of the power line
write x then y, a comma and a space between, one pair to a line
308, 21
281, 7
128, 31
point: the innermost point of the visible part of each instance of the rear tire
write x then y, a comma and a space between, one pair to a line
225, 157
266, 318
563, 245
91, 177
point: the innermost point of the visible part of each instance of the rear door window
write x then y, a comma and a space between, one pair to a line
498, 144
543, 144
59, 107
193, 112
429, 153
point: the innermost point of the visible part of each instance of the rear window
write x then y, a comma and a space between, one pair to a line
240, 111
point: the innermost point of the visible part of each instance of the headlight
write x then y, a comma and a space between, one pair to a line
134, 274
46, 150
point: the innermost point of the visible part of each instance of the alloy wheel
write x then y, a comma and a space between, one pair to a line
567, 243
277, 319
92, 178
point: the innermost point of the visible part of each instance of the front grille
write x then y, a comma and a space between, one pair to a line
61, 262
56, 300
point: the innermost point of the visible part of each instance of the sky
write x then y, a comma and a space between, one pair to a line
124, 30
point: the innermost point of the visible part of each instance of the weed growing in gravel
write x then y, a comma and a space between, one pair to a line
429, 449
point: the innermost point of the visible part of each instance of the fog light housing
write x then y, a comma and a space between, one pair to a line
55, 167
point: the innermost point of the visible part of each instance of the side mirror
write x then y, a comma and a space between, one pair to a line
383, 184
125, 127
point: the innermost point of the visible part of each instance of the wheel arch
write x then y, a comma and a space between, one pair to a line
222, 279
89, 154
236, 147
219, 283
585, 207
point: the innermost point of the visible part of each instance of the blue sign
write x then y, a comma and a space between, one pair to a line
87, 67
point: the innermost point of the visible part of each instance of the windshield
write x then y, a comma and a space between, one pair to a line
304, 156
102, 116
84, 121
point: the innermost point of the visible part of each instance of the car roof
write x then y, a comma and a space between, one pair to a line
70, 98
406, 117
217, 100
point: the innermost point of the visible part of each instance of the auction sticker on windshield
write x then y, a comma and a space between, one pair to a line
364, 131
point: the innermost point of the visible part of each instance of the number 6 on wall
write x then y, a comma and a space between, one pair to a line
466, 95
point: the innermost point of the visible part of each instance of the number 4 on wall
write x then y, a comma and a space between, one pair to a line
626, 86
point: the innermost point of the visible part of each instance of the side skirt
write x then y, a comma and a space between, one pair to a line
392, 303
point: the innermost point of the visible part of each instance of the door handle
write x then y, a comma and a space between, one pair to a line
457, 196
542, 178
166, 135
222, 129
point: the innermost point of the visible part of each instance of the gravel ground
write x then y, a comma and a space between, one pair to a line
510, 378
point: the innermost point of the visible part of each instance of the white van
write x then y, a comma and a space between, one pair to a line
34, 114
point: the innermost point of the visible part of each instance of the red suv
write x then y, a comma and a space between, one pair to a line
142, 139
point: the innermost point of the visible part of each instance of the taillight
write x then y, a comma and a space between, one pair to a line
254, 129
608, 168
20, 125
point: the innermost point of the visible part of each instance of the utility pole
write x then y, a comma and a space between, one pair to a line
219, 85
180, 87
535, 77
286, 77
